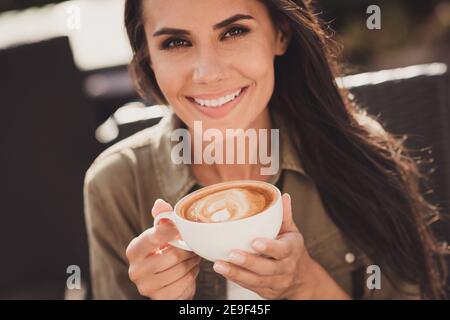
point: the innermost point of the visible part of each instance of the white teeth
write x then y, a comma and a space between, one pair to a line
218, 102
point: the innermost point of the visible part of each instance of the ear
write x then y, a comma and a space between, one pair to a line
284, 35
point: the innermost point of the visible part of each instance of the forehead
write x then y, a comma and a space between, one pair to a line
179, 13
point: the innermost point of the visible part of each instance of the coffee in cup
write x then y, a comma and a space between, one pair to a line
217, 219
227, 202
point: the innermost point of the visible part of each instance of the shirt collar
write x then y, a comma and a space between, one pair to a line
176, 180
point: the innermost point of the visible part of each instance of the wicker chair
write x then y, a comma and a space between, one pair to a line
414, 101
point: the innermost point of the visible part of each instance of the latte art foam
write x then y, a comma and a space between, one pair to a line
228, 204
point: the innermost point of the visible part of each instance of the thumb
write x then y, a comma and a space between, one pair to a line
288, 224
159, 207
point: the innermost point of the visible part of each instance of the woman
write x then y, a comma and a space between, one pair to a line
356, 204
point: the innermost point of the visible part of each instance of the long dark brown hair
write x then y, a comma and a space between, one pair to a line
369, 183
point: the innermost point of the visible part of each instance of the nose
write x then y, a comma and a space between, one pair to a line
209, 67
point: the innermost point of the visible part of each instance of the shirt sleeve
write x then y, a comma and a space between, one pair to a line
112, 222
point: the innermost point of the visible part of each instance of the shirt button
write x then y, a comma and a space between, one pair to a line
349, 257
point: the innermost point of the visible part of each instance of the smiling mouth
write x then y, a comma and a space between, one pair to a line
217, 103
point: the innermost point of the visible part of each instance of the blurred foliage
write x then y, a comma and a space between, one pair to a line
420, 24
423, 24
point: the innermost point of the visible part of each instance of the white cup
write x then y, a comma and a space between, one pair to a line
215, 240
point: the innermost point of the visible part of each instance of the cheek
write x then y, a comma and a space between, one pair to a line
168, 75
171, 77
256, 57
167, 80
258, 66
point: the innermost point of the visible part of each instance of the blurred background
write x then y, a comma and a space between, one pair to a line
65, 95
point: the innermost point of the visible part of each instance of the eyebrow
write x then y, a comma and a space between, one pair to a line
220, 25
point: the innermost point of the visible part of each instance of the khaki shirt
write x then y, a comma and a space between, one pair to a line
123, 183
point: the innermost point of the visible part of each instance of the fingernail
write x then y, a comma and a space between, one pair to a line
236, 257
165, 220
259, 245
221, 268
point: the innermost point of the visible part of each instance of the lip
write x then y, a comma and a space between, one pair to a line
223, 110
215, 96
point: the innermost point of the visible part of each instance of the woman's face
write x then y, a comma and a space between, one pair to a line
213, 59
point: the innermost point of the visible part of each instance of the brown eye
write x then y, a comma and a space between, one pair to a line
174, 44
236, 32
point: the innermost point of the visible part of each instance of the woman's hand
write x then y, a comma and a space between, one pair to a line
161, 271
284, 270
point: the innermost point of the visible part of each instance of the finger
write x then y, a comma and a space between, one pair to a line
255, 263
172, 257
160, 206
265, 293
279, 248
189, 292
288, 223
238, 274
160, 262
177, 287
262, 292
186, 294
176, 272
149, 241
151, 282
